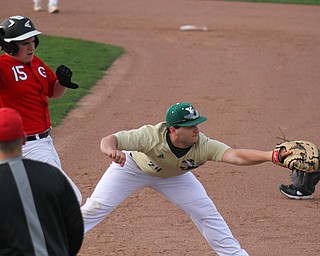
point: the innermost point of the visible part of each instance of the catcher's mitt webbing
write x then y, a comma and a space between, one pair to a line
304, 157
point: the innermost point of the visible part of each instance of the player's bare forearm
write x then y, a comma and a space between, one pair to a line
246, 156
108, 146
59, 90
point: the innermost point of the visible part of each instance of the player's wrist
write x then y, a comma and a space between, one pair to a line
276, 156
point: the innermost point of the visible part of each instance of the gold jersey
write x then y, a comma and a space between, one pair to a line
150, 150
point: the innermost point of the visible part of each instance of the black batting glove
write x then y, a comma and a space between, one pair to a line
64, 75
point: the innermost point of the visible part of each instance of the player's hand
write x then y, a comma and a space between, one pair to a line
283, 153
64, 75
118, 157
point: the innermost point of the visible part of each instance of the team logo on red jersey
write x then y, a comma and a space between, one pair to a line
42, 71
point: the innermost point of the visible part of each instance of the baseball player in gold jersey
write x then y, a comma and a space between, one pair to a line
161, 157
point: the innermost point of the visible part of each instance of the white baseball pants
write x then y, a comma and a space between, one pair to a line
43, 150
185, 191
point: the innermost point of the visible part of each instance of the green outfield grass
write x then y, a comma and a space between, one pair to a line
88, 62
306, 2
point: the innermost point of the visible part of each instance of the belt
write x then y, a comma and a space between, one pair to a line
39, 135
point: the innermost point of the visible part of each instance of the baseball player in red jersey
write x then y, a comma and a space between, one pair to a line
162, 157
26, 83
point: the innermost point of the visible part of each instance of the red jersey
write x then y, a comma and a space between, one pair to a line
26, 88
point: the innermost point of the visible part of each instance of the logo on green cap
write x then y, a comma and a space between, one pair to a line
183, 114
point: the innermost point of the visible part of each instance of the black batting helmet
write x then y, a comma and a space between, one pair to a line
18, 28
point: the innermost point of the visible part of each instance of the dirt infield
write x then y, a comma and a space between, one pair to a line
250, 70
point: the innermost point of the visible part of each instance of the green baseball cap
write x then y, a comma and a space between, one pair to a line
183, 114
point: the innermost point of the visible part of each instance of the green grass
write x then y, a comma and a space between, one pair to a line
88, 62
306, 2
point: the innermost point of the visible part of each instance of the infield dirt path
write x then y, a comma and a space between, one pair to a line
255, 65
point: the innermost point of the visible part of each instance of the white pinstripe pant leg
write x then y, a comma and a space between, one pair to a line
114, 187
43, 150
187, 193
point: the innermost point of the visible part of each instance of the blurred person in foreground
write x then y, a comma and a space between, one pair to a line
39, 212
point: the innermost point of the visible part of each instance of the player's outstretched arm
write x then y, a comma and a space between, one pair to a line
248, 156
108, 146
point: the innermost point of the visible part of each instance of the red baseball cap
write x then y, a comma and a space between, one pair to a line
11, 125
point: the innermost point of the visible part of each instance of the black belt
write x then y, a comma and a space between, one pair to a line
39, 135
